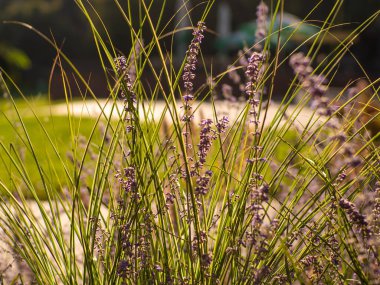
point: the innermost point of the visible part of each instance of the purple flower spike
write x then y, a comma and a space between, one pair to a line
261, 24
189, 68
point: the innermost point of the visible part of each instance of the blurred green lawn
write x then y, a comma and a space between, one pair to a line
54, 155
62, 130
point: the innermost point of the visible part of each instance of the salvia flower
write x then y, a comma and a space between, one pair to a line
203, 183
207, 135
355, 217
222, 124
312, 266
206, 260
314, 84
124, 268
121, 64
198, 241
190, 66
340, 178
252, 73
333, 250
101, 237
260, 195
300, 65
122, 70
227, 92
134, 56
261, 24
233, 74
128, 182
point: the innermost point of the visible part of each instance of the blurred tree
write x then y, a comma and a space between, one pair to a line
13, 57
63, 20
11, 8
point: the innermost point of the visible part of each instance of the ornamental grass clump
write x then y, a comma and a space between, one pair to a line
283, 191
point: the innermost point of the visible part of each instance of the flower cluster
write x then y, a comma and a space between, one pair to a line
206, 260
134, 56
301, 66
125, 265
207, 135
314, 84
128, 182
312, 266
222, 124
252, 73
261, 24
259, 195
135, 246
355, 217
227, 92
101, 237
333, 250
122, 70
198, 242
203, 183
190, 65
233, 74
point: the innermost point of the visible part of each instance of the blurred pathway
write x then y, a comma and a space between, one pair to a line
157, 109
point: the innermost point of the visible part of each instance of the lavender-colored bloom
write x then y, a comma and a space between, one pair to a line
124, 268
206, 260
187, 118
222, 124
158, 268
122, 70
261, 194
121, 64
128, 180
252, 73
259, 159
188, 97
227, 92
198, 240
341, 177
261, 24
254, 103
190, 65
207, 134
134, 56
313, 266
233, 75
355, 217
354, 161
169, 199
314, 84
202, 185
301, 65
